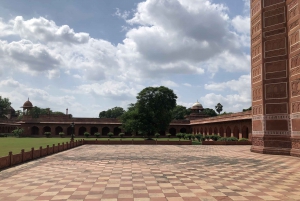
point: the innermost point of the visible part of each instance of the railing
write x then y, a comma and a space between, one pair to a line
24, 156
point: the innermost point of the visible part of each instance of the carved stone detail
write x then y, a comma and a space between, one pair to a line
276, 19
294, 37
257, 110
256, 28
274, 32
295, 61
256, 50
277, 132
295, 107
256, 8
275, 53
292, 4
275, 44
277, 117
272, 2
293, 25
258, 141
271, 67
255, 20
296, 87
256, 59
256, 74
276, 108
295, 143
293, 12
256, 39
294, 71
276, 91
257, 93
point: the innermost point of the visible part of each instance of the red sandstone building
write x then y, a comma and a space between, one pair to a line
237, 125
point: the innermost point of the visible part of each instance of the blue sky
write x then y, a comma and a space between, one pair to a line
93, 56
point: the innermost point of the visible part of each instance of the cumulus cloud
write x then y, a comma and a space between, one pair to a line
43, 30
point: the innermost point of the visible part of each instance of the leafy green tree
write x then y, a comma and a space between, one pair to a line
37, 111
210, 112
4, 105
219, 107
18, 132
112, 113
179, 112
152, 112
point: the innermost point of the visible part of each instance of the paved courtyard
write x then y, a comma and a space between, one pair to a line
154, 173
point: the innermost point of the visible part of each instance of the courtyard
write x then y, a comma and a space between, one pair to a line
154, 173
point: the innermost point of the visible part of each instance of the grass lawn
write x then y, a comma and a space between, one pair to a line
15, 145
136, 139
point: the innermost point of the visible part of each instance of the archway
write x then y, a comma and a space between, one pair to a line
117, 131
70, 131
35, 130
105, 131
221, 130
162, 133
228, 132
236, 132
245, 132
47, 129
94, 130
201, 131
58, 129
210, 131
82, 130
205, 131
172, 131
215, 131
183, 130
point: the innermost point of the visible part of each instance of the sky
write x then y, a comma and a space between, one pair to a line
90, 56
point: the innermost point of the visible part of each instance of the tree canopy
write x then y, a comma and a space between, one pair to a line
152, 112
4, 105
210, 112
179, 112
112, 113
219, 107
37, 111
248, 109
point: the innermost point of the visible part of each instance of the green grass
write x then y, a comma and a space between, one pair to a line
17, 144
136, 139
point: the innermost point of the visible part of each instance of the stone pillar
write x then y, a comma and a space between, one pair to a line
274, 49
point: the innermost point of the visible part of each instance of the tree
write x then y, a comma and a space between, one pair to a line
250, 108
112, 113
179, 112
18, 132
219, 107
152, 112
37, 111
4, 105
210, 112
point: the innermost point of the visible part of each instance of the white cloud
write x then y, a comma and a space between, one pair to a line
169, 83
187, 84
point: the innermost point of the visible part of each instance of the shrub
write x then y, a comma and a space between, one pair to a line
17, 132
228, 139
121, 135
188, 136
243, 139
86, 134
61, 134
157, 135
3, 135
97, 134
215, 137
110, 134
168, 135
179, 135
193, 137
199, 137
47, 134
207, 137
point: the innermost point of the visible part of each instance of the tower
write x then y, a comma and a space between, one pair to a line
275, 70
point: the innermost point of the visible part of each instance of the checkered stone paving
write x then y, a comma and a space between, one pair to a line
154, 173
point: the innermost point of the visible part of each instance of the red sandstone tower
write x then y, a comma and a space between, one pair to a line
275, 69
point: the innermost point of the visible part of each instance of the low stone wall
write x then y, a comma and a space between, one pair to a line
226, 143
16, 159
138, 142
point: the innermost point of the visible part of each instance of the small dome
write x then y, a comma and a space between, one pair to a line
27, 104
197, 104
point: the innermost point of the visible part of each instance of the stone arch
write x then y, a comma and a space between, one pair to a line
210, 131
58, 129
117, 131
228, 132
162, 133
245, 132
46, 129
215, 131
94, 130
82, 130
183, 130
221, 131
201, 130
205, 131
105, 131
172, 131
236, 132
35, 130
69, 130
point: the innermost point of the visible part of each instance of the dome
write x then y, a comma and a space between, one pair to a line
197, 106
27, 104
